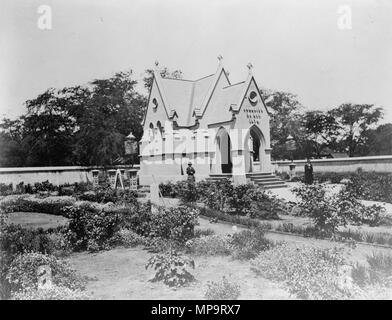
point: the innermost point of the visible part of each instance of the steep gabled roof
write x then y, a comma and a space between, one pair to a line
189, 99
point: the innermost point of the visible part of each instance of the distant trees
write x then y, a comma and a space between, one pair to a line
349, 128
82, 125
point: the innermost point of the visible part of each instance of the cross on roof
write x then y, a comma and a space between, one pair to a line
250, 66
220, 57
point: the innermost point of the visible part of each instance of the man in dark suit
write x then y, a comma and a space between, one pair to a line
190, 171
308, 172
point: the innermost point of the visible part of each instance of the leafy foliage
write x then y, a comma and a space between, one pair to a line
247, 244
22, 273
91, 227
222, 290
176, 224
172, 269
307, 272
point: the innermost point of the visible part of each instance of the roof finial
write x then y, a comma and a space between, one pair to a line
250, 66
220, 58
156, 65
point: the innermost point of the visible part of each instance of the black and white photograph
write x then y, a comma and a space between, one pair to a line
212, 151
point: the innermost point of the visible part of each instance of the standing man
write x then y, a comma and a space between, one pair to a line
190, 171
308, 172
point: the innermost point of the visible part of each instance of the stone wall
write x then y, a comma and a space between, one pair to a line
374, 163
55, 175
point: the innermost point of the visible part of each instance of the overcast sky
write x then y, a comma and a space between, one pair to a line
295, 46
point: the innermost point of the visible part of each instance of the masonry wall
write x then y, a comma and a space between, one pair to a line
55, 175
374, 163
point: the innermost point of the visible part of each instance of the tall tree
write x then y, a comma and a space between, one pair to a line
354, 121
285, 120
112, 112
378, 141
321, 131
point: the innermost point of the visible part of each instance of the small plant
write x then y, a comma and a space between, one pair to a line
222, 290
172, 269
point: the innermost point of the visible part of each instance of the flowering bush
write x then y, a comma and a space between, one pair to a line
22, 273
176, 224
222, 290
51, 293
252, 201
168, 189
308, 272
129, 238
247, 244
330, 212
91, 227
105, 193
212, 245
172, 269
379, 271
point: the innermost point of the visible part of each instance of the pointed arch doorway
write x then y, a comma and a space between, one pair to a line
223, 151
254, 150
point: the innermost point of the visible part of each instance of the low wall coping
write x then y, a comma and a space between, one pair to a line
370, 158
64, 168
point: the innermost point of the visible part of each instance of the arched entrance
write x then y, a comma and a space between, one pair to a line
223, 151
254, 149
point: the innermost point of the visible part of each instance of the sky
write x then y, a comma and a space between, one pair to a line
293, 45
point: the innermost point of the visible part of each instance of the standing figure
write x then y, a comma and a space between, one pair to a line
190, 171
308, 172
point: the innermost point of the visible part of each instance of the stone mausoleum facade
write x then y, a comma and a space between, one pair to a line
221, 127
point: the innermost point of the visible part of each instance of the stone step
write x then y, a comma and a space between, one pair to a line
258, 174
275, 186
266, 179
269, 182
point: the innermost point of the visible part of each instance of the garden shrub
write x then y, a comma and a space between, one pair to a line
91, 227
44, 186
176, 224
330, 212
203, 232
187, 192
128, 239
6, 189
51, 293
136, 217
105, 193
379, 271
15, 240
247, 244
168, 189
213, 245
222, 290
172, 268
375, 186
30, 203
22, 273
307, 272
254, 202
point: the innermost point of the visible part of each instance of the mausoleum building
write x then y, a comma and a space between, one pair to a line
222, 128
